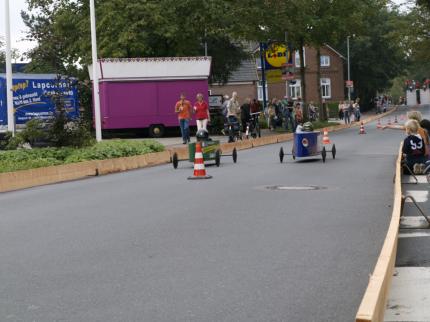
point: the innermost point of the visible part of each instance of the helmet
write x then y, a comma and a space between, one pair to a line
202, 135
308, 127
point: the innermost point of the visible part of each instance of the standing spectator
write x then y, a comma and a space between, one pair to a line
346, 115
233, 106
378, 105
225, 102
287, 107
312, 111
271, 114
357, 110
351, 110
278, 111
255, 106
183, 109
201, 110
298, 114
340, 109
245, 113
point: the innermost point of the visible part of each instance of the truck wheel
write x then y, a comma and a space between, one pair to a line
156, 131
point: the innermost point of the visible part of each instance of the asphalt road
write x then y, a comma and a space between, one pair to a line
149, 245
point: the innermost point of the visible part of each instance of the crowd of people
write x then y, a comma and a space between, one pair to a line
349, 111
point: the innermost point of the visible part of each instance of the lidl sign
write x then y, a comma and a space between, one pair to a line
277, 56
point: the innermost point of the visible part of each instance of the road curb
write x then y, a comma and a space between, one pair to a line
10, 181
373, 304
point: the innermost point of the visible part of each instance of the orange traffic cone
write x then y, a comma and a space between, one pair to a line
379, 125
199, 165
362, 131
326, 139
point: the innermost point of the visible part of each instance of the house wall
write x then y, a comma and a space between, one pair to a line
334, 72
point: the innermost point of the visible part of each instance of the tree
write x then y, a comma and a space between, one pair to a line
133, 29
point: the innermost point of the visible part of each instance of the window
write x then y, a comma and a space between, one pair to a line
325, 88
260, 92
325, 61
295, 89
297, 58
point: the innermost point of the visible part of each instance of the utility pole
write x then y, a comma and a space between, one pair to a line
263, 75
9, 92
96, 91
206, 44
349, 68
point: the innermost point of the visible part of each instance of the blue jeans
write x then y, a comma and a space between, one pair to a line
185, 129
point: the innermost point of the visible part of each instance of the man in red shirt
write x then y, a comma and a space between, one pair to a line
184, 111
201, 109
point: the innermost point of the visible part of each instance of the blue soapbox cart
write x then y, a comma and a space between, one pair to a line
308, 146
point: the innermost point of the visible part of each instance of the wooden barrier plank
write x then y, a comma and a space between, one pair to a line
372, 307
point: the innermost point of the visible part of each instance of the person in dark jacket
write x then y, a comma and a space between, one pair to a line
414, 148
245, 113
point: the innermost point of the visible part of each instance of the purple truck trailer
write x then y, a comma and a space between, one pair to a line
140, 93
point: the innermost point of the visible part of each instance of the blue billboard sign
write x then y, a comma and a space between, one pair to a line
33, 97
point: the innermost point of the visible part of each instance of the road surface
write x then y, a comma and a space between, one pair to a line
149, 245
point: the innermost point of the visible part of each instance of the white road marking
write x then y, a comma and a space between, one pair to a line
418, 195
409, 298
413, 222
415, 234
410, 179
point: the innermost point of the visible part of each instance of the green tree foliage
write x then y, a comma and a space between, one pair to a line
133, 29
377, 54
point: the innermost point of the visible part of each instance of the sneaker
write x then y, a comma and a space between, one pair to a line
417, 168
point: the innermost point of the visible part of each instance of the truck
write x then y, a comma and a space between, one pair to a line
32, 97
140, 93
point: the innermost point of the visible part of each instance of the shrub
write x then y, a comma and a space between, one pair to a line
42, 157
34, 131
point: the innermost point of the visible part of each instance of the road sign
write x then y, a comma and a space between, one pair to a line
288, 76
349, 84
274, 76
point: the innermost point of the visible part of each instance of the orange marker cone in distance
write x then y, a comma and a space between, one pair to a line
199, 165
326, 139
362, 131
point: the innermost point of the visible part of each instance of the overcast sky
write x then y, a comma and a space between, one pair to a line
18, 28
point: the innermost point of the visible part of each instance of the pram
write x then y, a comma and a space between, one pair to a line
232, 129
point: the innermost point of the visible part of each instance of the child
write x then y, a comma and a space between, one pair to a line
414, 148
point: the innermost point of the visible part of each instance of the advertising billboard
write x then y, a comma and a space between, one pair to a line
33, 97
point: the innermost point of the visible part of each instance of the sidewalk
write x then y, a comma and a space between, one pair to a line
176, 142
409, 298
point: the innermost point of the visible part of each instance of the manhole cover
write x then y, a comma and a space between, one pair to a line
295, 188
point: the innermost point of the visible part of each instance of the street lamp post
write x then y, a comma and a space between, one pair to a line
9, 92
349, 68
96, 91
